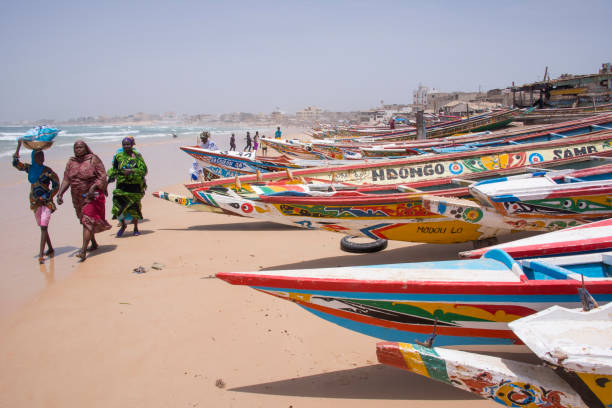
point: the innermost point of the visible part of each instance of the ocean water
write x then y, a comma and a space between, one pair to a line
94, 135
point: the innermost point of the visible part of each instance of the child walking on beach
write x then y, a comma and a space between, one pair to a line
41, 196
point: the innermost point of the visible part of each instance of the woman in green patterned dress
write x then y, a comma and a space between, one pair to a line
129, 170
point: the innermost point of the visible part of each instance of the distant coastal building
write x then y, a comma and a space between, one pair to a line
419, 96
308, 114
567, 90
277, 115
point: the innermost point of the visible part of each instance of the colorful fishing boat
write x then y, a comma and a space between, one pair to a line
469, 302
339, 149
575, 344
375, 212
498, 139
231, 163
187, 202
589, 238
531, 202
486, 121
463, 165
396, 216
504, 381
293, 148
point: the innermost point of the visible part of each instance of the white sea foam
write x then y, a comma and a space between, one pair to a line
104, 134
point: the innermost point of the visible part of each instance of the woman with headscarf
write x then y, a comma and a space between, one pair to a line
129, 170
86, 177
41, 195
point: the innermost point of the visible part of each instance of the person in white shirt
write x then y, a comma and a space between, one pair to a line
206, 142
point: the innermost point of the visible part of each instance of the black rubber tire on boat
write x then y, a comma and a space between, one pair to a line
362, 247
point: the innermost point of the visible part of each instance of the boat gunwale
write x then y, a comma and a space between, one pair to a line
524, 287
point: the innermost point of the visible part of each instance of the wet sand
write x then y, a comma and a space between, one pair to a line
96, 334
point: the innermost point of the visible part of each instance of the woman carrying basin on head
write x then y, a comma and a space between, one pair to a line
85, 175
41, 195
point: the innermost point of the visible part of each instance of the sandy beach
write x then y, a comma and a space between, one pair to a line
95, 334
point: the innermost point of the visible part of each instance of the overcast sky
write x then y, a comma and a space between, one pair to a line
63, 59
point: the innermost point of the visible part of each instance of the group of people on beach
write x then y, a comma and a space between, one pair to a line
87, 179
252, 143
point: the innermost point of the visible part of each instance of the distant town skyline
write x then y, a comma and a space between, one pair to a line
68, 59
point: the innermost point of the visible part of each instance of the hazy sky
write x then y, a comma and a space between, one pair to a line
64, 59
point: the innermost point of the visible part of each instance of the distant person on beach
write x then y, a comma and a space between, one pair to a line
264, 147
206, 142
248, 146
129, 170
41, 196
233, 142
85, 175
256, 141
391, 123
278, 133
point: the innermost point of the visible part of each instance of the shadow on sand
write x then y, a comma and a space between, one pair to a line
102, 249
61, 250
242, 226
416, 253
412, 253
129, 232
369, 382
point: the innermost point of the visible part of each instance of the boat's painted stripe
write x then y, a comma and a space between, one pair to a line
403, 336
413, 328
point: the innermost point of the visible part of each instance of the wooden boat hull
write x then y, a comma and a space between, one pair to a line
470, 302
506, 382
457, 165
473, 141
187, 202
231, 164
588, 238
399, 221
298, 149
489, 122
531, 203
575, 344
394, 216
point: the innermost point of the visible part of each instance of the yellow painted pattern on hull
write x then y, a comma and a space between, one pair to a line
438, 232
600, 384
464, 310
414, 362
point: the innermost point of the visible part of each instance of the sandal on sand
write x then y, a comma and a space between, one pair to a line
81, 255
41, 260
92, 247
120, 232
136, 233
50, 253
